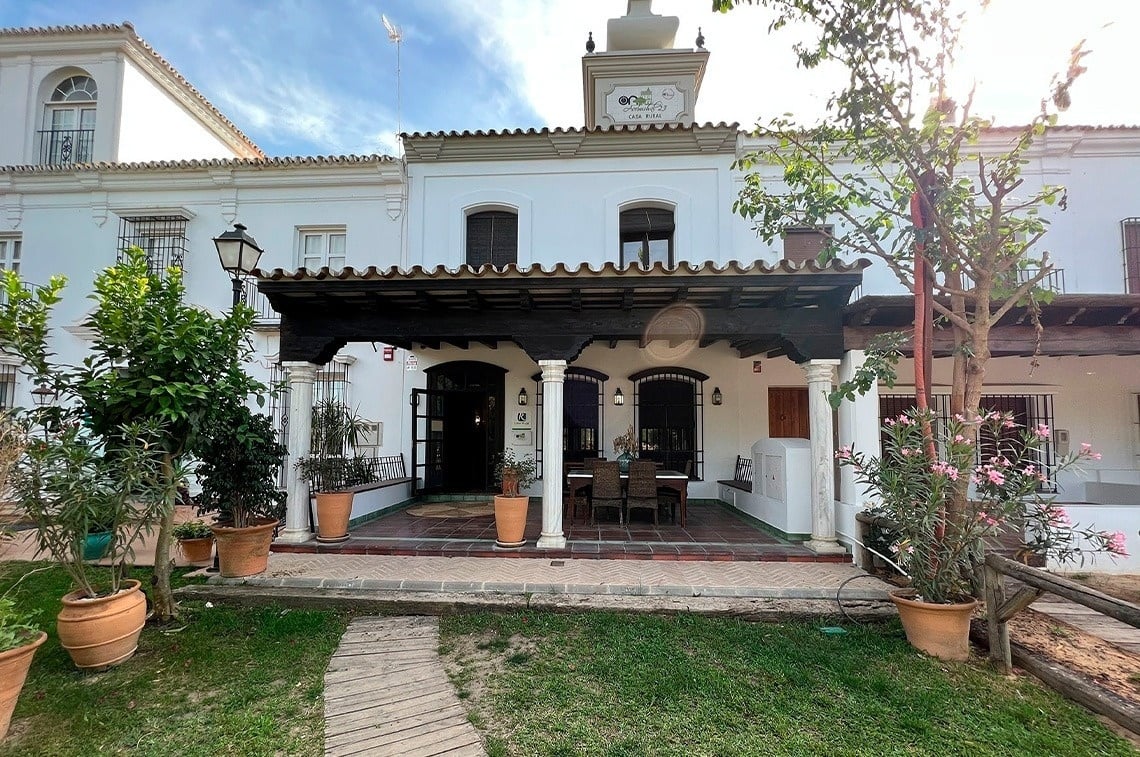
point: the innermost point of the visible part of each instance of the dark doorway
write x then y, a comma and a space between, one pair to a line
458, 427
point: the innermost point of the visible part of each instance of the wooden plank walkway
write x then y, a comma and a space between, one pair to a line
1090, 621
386, 693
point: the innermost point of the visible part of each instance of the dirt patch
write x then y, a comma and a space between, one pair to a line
1126, 587
472, 660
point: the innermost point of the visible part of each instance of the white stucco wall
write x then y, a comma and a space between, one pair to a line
154, 126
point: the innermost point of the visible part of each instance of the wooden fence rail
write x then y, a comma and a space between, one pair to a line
1000, 608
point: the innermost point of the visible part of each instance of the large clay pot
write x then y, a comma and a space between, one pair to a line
197, 551
103, 631
333, 512
939, 630
510, 521
14, 666
244, 551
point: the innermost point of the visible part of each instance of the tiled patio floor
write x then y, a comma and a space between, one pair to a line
713, 532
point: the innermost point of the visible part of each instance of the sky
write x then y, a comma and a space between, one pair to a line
318, 77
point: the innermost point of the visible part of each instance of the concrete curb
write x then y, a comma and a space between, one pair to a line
365, 600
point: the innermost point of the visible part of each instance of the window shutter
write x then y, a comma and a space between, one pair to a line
1131, 231
492, 239
645, 220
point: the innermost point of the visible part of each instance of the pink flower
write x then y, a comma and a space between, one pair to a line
889, 422
945, 469
843, 453
996, 477
910, 550
1042, 431
1058, 516
959, 417
1029, 470
1008, 423
1115, 543
906, 420
1086, 451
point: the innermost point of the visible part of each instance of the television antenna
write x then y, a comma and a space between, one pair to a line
396, 36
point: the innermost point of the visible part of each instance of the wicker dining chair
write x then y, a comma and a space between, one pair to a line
606, 490
642, 490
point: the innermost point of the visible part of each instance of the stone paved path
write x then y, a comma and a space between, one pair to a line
386, 693
1090, 621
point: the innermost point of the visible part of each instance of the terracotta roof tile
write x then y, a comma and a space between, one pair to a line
181, 165
546, 131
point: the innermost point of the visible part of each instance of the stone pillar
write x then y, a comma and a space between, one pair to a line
300, 376
553, 376
820, 374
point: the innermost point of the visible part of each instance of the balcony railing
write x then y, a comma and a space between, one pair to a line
1053, 282
65, 146
253, 298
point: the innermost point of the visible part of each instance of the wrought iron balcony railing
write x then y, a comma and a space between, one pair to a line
65, 146
250, 295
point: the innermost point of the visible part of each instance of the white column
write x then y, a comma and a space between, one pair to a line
553, 376
820, 374
858, 427
300, 376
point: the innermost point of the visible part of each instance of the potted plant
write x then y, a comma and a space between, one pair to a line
68, 480
238, 462
331, 470
511, 507
196, 541
625, 446
942, 550
19, 641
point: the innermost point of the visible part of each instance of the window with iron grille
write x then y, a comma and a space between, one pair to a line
162, 238
646, 237
1130, 239
1027, 410
583, 399
319, 247
492, 238
669, 418
10, 249
803, 244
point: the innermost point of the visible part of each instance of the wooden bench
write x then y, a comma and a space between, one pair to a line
741, 475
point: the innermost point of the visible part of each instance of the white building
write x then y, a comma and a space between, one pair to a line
563, 268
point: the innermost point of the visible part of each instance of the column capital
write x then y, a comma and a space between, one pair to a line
820, 370
553, 370
300, 371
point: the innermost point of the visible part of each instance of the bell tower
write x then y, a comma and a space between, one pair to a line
641, 78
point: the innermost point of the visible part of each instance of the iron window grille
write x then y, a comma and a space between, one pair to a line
669, 418
7, 387
492, 239
162, 238
1028, 410
583, 413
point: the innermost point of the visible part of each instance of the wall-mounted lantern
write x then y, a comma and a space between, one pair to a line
619, 398
523, 399
717, 397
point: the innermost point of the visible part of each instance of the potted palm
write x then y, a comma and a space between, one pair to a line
195, 540
515, 474
238, 462
67, 480
941, 550
333, 468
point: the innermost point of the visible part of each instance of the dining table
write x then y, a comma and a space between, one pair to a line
580, 480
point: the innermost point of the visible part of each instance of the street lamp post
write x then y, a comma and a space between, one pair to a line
238, 253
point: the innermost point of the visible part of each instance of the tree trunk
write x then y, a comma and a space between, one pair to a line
164, 608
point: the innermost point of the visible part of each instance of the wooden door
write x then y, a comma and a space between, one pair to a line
788, 413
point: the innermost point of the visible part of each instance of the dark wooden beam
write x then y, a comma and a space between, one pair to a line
575, 299
526, 301
627, 299
1009, 341
681, 294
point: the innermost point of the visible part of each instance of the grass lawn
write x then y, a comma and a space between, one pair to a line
222, 681
607, 684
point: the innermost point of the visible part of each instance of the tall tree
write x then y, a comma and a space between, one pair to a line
154, 358
894, 134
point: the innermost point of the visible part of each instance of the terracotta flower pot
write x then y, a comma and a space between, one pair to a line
197, 551
14, 666
510, 521
939, 630
243, 551
104, 631
333, 512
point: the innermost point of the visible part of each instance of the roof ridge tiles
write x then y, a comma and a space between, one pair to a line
191, 163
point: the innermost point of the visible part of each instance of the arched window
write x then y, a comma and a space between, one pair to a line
69, 122
646, 237
583, 395
492, 238
669, 406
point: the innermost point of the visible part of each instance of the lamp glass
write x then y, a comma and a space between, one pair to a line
717, 397
522, 397
619, 398
237, 251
